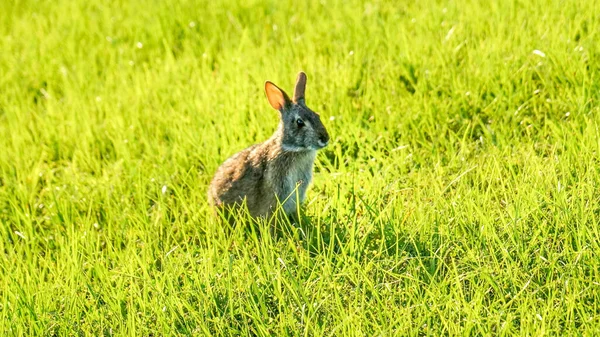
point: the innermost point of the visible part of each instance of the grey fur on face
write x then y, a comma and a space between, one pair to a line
278, 170
303, 129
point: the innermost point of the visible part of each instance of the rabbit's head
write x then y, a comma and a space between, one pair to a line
301, 127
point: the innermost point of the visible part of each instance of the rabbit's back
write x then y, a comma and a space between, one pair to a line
242, 177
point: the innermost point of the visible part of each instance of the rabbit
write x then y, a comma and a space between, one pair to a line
278, 170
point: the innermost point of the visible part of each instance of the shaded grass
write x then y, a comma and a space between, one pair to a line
459, 194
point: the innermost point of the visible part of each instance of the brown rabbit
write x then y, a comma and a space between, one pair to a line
278, 170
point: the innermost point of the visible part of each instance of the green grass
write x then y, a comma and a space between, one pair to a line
459, 195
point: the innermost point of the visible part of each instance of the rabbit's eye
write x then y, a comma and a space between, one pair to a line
300, 122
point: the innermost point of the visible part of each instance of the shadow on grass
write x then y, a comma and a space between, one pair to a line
341, 238
385, 239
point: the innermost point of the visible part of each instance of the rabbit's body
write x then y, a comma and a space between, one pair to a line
279, 170
263, 183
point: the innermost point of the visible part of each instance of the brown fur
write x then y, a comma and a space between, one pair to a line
279, 170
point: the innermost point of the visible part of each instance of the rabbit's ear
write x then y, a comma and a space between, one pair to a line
277, 97
300, 87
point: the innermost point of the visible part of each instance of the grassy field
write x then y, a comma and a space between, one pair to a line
459, 195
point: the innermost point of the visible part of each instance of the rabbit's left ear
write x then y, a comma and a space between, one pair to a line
278, 99
300, 87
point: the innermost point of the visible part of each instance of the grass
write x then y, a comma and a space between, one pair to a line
459, 194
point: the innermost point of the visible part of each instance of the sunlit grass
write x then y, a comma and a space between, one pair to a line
459, 194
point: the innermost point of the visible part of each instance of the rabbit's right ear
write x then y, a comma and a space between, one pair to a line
277, 97
300, 87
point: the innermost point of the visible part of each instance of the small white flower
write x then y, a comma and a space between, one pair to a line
539, 53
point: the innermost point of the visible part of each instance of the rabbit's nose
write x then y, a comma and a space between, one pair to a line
324, 139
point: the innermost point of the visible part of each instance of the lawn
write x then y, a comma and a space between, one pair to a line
459, 195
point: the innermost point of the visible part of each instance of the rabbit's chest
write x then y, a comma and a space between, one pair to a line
295, 181
298, 180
